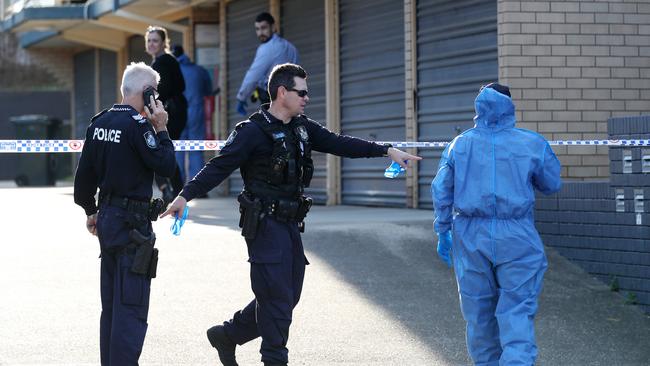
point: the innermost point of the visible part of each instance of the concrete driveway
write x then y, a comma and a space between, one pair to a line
375, 294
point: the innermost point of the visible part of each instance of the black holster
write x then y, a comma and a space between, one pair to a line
145, 261
156, 207
303, 208
250, 209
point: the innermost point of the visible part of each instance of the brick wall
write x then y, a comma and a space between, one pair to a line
571, 66
34, 68
604, 226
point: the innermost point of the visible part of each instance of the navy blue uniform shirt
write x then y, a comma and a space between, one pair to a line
248, 141
121, 153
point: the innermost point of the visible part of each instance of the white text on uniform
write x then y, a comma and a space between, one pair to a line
104, 134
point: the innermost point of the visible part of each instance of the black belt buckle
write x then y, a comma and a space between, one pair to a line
286, 210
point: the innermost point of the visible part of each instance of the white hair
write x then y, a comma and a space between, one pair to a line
135, 76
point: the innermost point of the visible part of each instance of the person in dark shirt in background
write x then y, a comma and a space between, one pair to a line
170, 90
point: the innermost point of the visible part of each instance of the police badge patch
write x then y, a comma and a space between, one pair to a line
231, 138
150, 139
302, 132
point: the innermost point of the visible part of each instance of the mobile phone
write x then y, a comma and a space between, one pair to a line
147, 93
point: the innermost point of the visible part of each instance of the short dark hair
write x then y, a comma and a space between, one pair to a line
503, 89
264, 17
282, 75
177, 50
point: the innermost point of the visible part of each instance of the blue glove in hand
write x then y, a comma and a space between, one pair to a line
241, 107
444, 247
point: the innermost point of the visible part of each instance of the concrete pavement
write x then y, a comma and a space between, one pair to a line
375, 294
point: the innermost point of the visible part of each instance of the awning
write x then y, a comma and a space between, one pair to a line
104, 24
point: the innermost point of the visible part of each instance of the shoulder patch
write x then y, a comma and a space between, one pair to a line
231, 137
150, 139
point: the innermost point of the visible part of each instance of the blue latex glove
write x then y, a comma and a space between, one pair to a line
179, 221
394, 170
241, 107
444, 247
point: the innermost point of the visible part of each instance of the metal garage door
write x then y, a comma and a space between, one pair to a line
84, 91
303, 24
372, 95
242, 43
107, 78
457, 53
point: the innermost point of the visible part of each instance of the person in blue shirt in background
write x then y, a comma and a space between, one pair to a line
197, 86
484, 193
274, 50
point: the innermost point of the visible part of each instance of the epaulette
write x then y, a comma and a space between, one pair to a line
120, 109
139, 118
241, 124
98, 115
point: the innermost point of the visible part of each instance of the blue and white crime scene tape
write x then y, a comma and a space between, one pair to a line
65, 146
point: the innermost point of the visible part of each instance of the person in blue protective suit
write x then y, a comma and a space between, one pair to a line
483, 192
273, 151
197, 86
121, 153
273, 50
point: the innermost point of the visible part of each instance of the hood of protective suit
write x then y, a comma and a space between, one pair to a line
494, 110
183, 59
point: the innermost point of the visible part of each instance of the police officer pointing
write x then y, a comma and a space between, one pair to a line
121, 153
273, 151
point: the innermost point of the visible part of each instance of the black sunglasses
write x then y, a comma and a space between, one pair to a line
301, 93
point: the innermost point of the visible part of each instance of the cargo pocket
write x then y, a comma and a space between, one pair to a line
133, 287
265, 256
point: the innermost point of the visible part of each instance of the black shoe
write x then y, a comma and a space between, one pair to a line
226, 348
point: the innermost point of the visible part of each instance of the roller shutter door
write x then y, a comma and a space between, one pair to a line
457, 53
304, 25
372, 95
242, 44
107, 78
84, 91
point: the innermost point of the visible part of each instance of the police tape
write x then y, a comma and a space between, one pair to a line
65, 146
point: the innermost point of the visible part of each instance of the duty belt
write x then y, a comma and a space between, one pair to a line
288, 210
129, 204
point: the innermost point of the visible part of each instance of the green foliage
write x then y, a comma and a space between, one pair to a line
630, 299
613, 284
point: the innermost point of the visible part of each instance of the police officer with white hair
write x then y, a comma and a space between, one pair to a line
122, 151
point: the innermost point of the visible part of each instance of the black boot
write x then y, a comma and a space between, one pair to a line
226, 348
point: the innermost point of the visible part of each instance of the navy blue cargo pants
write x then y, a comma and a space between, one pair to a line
277, 271
124, 294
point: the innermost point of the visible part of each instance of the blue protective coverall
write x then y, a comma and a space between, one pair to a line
197, 86
484, 192
275, 51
